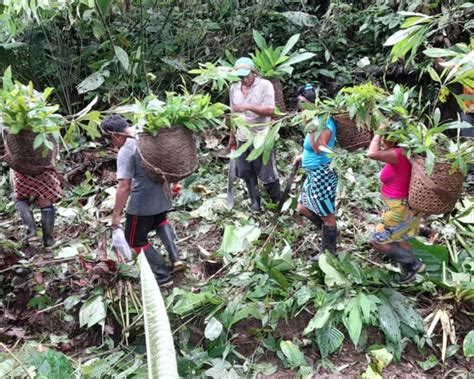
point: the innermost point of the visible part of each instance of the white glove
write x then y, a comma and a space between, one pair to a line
120, 243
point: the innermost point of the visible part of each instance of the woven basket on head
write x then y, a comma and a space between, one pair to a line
279, 98
435, 194
20, 155
349, 136
169, 156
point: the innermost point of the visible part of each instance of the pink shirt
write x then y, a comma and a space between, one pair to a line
395, 178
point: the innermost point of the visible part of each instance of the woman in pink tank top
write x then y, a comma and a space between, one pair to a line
398, 222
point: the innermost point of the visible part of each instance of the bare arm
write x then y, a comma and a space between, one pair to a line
322, 140
261, 110
121, 198
376, 153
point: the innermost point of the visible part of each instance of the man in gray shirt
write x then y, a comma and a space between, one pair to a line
147, 203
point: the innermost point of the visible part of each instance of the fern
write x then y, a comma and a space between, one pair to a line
159, 341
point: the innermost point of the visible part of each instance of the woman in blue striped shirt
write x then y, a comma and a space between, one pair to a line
318, 194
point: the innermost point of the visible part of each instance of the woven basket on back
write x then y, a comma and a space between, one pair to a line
279, 98
21, 156
2, 147
349, 136
435, 194
169, 156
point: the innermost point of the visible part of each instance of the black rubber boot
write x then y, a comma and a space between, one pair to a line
158, 267
328, 239
27, 218
316, 220
409, 264
47, 225
273, 190
167, 236
254, 194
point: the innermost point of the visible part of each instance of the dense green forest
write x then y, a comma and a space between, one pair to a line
251, 304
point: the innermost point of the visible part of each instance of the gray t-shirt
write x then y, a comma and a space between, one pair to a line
147, 198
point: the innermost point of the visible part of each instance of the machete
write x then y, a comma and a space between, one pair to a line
231, 174
286, 192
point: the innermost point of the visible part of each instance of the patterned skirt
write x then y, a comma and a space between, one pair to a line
398, 222
44, 186
319, 190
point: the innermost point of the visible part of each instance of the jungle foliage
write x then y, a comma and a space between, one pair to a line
251, 302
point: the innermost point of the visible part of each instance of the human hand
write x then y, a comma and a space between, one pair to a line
297, 160
116, 222
241, 107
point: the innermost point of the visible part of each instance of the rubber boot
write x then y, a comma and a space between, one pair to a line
409, 264
47, 225
328, 238
273, 190
316, 220
167, 236
27, 218
254, 194
328, 241
158, 267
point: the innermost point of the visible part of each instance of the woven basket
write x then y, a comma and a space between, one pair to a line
435, 194
2, 147
279, 97
348, 135
169, 156
21, 156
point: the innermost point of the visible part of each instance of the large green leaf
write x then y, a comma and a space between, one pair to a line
468, 345
299, 18
293, 354
50, 364
289, 45
92, 82
93, 311
401, 35
329, 339
103, 5
389, 323
432, 256
259, 40
122, 56
353, 320
332, 275
297, 58
238, 238
404, 310
161, 355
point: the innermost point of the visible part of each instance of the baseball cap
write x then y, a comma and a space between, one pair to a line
243, 66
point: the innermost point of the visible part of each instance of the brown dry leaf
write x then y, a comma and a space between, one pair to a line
102, 248
199, 188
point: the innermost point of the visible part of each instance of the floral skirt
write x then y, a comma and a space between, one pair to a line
398, 222
28, 187
319, 190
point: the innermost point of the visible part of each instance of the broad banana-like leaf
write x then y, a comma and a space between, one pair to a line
161, 355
